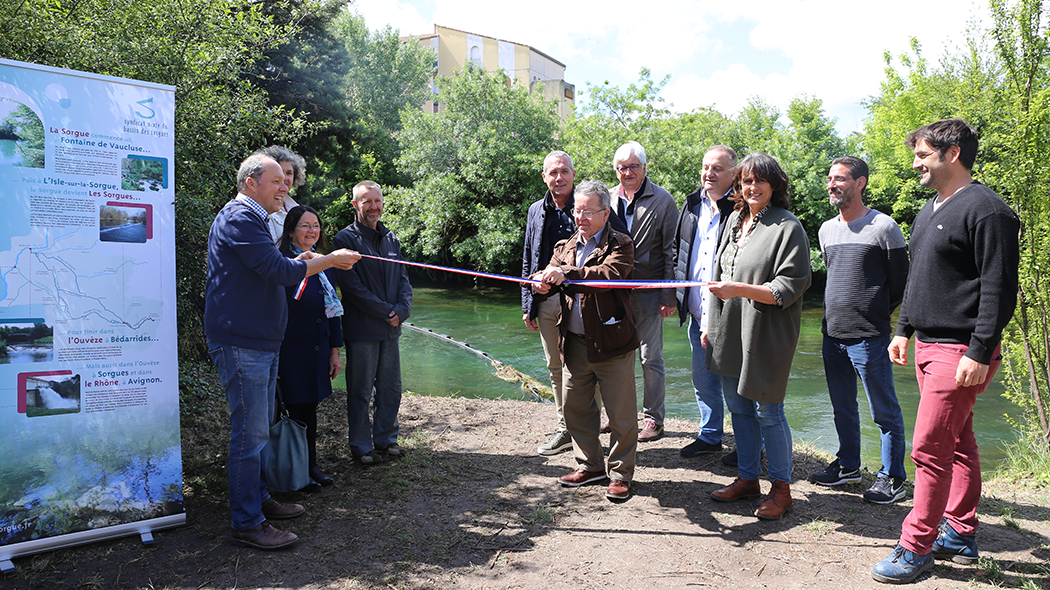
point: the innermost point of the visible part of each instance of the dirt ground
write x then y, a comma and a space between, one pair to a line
473, 507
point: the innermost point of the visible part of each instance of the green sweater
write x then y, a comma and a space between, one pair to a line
756, 341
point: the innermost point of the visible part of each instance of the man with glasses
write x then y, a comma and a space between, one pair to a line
598, 339
650, 215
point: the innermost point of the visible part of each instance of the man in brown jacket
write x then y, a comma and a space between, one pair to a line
598, 340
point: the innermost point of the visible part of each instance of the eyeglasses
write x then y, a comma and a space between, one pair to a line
584, 214
631, 167
308, 226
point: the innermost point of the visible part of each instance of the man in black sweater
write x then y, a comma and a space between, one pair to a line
961, 293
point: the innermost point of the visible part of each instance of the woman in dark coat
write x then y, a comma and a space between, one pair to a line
309, 357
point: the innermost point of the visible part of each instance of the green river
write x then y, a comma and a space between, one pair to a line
489, 319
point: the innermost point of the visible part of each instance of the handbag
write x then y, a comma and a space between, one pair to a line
287, 466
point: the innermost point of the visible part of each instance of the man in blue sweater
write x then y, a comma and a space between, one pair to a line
961, 293
245, 314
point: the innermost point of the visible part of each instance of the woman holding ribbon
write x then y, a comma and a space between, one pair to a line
309, 358
760, 272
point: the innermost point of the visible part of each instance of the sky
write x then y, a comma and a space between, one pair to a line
717, 54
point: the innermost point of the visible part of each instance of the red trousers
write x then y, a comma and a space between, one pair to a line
947, 464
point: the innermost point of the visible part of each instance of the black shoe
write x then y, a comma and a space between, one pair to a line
317, 476
729, 459
311, 488
835, 475
699, 447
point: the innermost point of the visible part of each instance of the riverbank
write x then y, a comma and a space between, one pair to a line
472, 506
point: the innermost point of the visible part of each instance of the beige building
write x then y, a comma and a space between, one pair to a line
530, 67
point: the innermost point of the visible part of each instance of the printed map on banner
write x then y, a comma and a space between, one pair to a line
88, 360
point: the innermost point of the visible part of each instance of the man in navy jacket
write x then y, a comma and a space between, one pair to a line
245, 314
550, 220
377, 298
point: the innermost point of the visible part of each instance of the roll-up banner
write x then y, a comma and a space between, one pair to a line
89, 397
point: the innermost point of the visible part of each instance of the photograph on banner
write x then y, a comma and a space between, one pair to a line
88, 362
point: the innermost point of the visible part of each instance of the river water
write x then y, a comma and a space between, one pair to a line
490, 320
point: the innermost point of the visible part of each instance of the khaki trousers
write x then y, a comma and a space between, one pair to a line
583, 416
547, 315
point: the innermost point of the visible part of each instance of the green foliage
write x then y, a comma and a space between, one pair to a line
23, 125
476, 167
384, 77
207, 49
675, 143
1023, 47
964, 84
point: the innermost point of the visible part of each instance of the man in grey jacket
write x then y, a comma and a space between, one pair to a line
650, 215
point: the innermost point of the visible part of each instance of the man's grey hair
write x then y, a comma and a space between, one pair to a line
282, 154
725, 149
595, 187
365, 186
627, 150
253, 167
555, 155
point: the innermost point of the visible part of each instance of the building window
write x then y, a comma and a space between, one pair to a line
475, 55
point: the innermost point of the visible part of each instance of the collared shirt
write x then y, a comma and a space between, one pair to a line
253, 205
558, 225
583, 250
625, 208
704, 246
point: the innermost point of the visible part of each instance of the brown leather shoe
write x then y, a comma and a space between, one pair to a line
274, 510
650, 431
618, 490
581, 477
263, 536
740, 489
777, 502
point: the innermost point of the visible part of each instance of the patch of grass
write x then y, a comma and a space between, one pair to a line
820, 525
1026, 462
539, 515
990, 567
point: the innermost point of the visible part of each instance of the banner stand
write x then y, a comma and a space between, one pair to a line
89, 380
143, 529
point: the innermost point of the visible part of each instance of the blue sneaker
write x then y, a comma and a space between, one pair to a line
951, 545
902, 566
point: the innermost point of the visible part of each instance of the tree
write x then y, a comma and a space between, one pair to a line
387, 75
203, 47
964, 84
476, 167
674, 143
1023, 46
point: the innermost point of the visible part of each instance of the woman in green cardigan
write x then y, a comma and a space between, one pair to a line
762, 267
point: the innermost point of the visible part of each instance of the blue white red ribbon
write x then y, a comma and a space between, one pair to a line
523, 280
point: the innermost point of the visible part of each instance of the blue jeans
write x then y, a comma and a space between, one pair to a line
645, 306
844, 360
708, 390
249, 378
756, 423
372, 364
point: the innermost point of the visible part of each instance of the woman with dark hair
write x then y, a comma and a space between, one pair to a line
309, 357
762, 269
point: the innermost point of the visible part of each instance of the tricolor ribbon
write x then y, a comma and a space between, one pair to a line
498, 277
